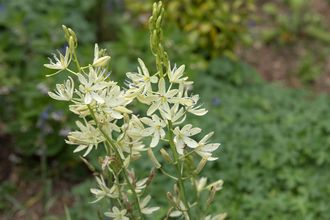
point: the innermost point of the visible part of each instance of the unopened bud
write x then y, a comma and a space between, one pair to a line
71, 44
102, 61
153, 159
166, 156
200, 166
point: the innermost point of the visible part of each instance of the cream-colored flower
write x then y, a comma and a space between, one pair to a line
87, 138
103, 191
204, 149
140, 82
196, 109
90, 88
182, 137
147, 210
60, 63
163, 98
115, 102
155, 129
117, 214
64, 92
176, 75
176, 114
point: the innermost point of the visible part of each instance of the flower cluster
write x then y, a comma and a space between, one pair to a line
107, 120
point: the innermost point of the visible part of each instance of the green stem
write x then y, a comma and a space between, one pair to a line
75, 59
111, 144
177, 166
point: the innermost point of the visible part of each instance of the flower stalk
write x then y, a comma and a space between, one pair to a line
107, 119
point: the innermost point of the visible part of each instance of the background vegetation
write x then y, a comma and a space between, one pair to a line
262, 69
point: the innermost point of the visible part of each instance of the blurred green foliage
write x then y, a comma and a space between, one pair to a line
212, 27
275, 145
27, 30
297, 22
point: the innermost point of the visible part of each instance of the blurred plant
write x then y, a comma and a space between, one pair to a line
214, 27
26, 29
309, 69
232, 72
106, 120
299, 21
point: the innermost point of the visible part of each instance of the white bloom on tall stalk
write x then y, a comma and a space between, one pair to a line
196, 109
176, 114
182, 137
115, 102
132, 128
204, 149
163, 98
87, 138
117, 214
104, 191
155, 129
140, 82
64, 92
147, 210
103, 107
60, 63
90, 88
176, 75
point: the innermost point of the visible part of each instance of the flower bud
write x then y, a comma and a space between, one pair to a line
166, 156
102, 61
153, 159
200, 166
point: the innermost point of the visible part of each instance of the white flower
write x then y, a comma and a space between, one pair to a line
117, 214
182, 137
164, 97
175, 75
156, 126
141, 81
115, 102
196, 109
176, 115
147, 210
87, 138
91, 86
60, 63
104, 191
64, 92
204, 149
132, 147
